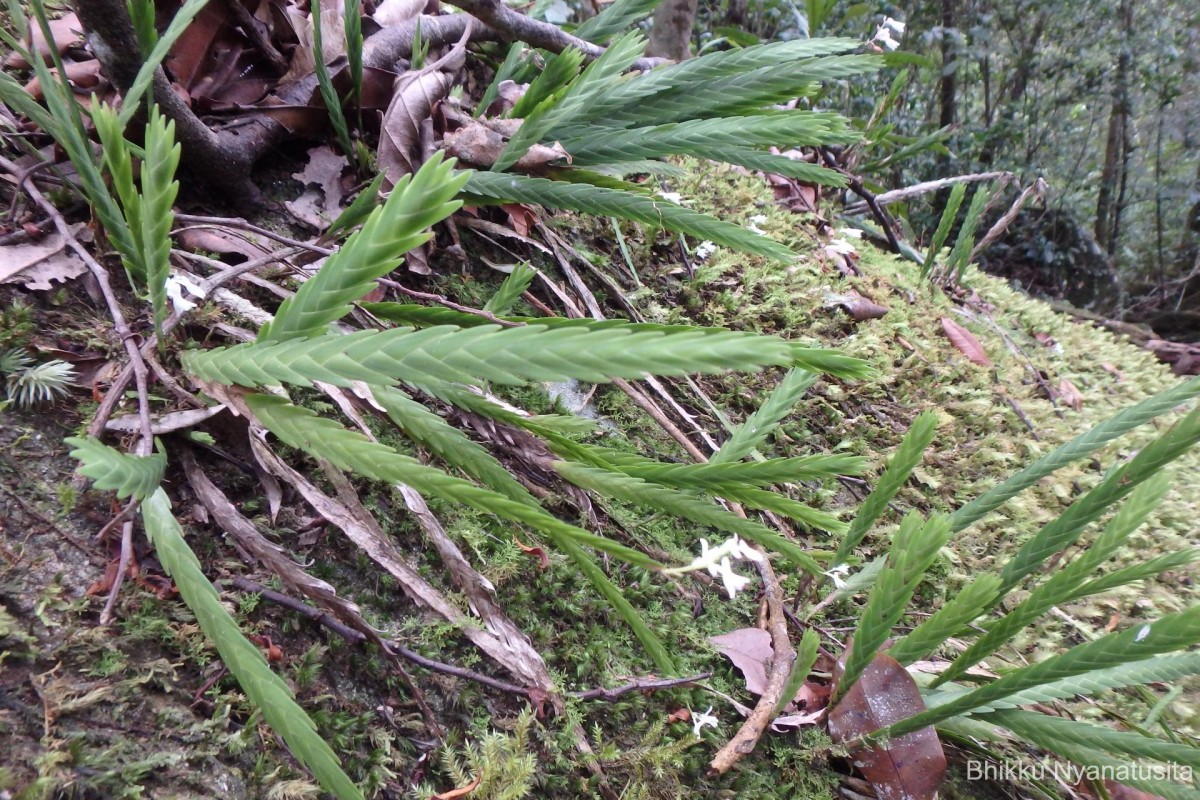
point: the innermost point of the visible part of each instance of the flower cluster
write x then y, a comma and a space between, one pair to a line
717, 561
883, 36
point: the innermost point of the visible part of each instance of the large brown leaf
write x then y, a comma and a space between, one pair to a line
750, 650
966, 342
909, 767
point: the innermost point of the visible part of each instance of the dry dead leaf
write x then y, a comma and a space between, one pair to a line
462, 791
966, 342
681, 714
858, 307
1070, 395
750, 651
67, 33
222, 242
533, 552
319, 207
909, 767
400, 132
37, 264
164, 423
480, 144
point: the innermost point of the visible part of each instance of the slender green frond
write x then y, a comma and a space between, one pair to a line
973, 600
1136, 572
750, 435
714, 478
960, 254
1065, 529
775, 165
325, 439
559, 71
495, 189
116, 471
511, 290
159, 189
1162, 669
245, 661
957, 192
1077, 448
695, 73
352, 14
914, 549
1064, 584
119, 163
503, 355
132, 99
732, 95
1039, 728
507, 69
1170, 633
781, 129
617, 16
329, 95
900, 466
698, 509
449, 443
391, 230
806, 656
786, 506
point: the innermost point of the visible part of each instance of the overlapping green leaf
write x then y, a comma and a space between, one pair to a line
416, 202
506, 356
750, 435
485, 188
245, 661
617, 16
116, 471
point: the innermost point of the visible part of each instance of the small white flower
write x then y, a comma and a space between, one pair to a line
883, 36
176, 284
884, 39
734, 583
840, 247
1142, 634
758, 219
699, 721
704, 250
671, 197
850, 233
836, 575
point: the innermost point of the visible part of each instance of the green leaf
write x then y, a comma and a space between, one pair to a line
399, 225
449, 443
159, 190
496, 189
957, 192
559, 71
325, 439
131, 100
1162, 669
914, 549
673, 501
1063, 530
115, 471
750, 435
973, 600
960, 254
329, 95
617, 16
504, 355
806, 656
1063, 586
1172, 632
1042, 728
507, 69
511, 290
715, 477
900, 466
775, 129
775, 165
245, 661
786, 506
1077, 448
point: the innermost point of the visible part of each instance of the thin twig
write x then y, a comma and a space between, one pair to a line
444, 301
193, 221
856, 185
918, 189
782, 658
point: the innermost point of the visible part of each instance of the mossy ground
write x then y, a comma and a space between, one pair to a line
119, 712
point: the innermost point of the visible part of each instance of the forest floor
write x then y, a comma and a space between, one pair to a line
141, 708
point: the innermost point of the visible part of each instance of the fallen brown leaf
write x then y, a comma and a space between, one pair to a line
966, 342
1070, 395
909, 767
534, 552
750, 651
67, 33
681, 714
